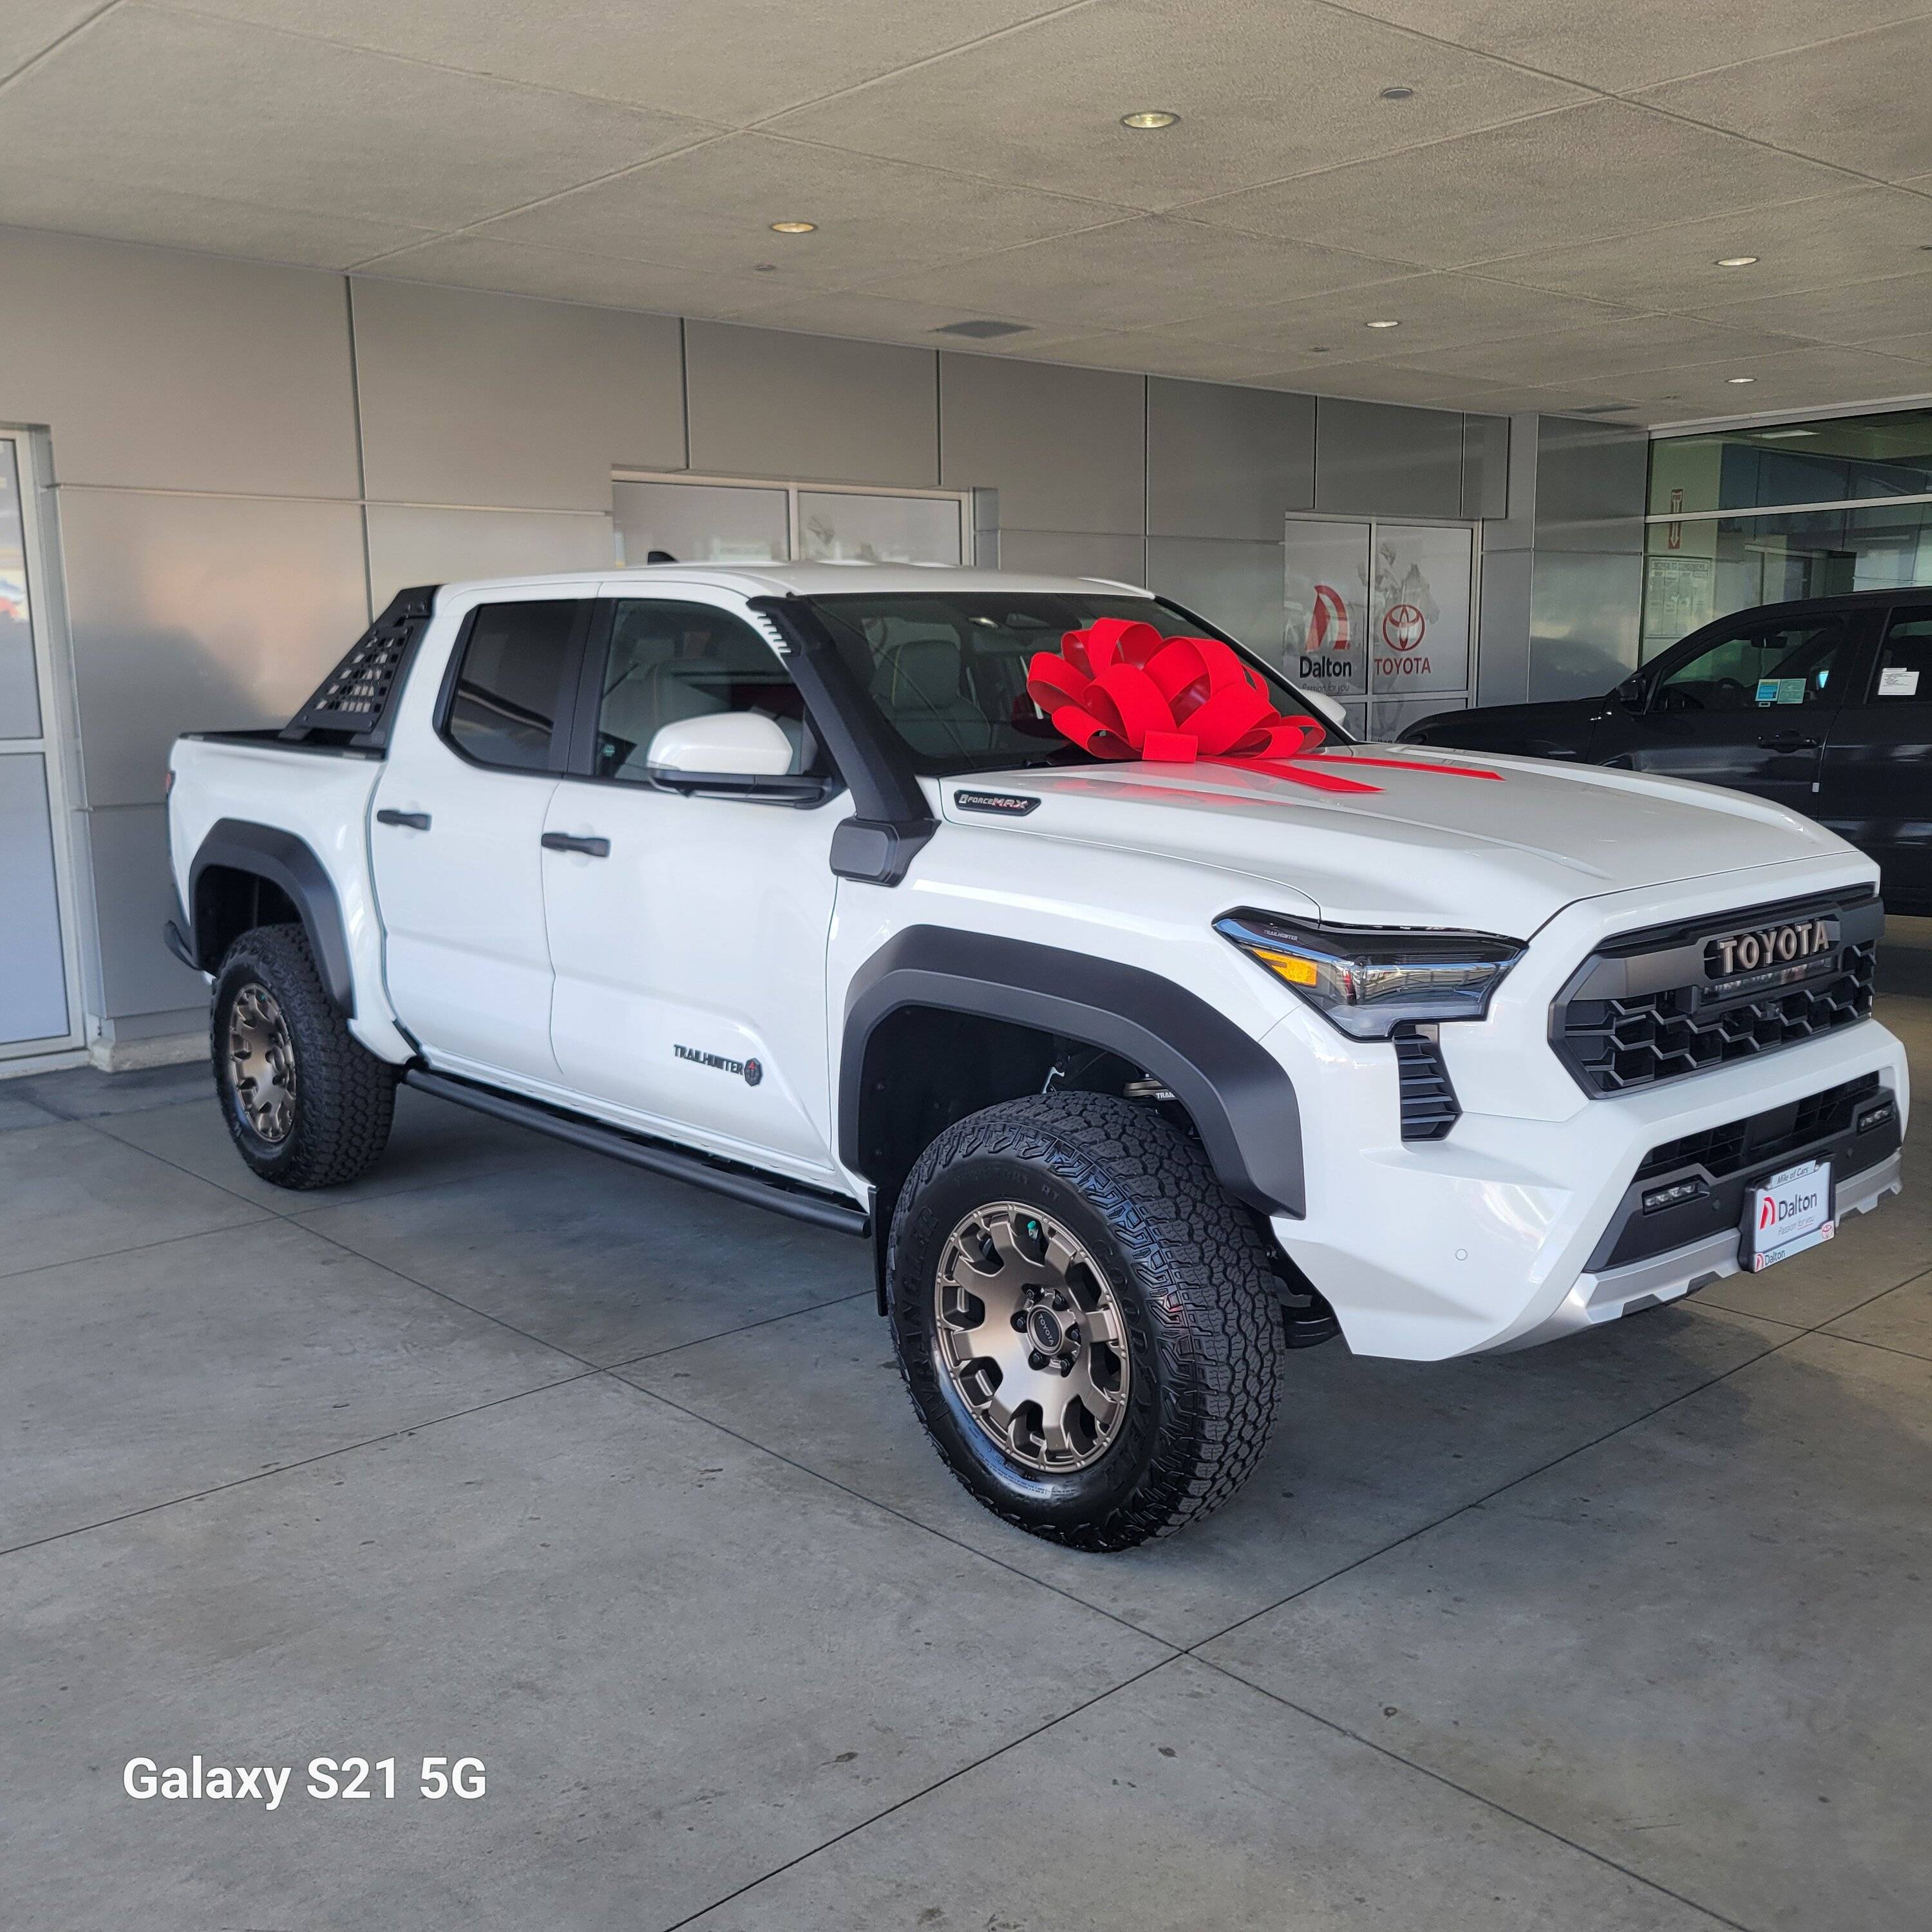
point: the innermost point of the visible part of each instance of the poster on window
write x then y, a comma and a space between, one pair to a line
1418, 638
1327, 593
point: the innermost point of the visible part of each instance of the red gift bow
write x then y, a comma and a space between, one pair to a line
1119, 689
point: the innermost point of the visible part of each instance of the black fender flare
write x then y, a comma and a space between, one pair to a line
240, 845
1239, 1096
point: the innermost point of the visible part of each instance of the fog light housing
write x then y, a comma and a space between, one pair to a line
1870, 1117
1674, 1196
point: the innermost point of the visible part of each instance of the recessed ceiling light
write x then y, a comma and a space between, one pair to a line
793, 227
982, 328
1736, 261
1381, 325
1150, 117
764, 268
1396, 93
1741, 378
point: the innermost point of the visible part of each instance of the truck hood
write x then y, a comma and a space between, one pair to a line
1426, 848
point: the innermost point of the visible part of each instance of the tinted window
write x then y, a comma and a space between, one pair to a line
1760, 667
503, 709
671, 661
949, 672
1905, 660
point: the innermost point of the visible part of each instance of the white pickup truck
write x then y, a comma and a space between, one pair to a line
1138, 1072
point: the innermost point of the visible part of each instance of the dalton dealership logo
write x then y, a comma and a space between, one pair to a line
1790, 944
1326, 653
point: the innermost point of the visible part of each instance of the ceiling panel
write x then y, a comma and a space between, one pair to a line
1855, 236
1263, 88
1610, 352
1840, 312
1808, 379
729, 61
145, 100
30, 27
711, 207
1636, 43
876, 318
570, 275
1385, 382
1603, 169
1139, 273
1865, 102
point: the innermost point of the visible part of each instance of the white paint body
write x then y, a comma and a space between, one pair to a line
717, 923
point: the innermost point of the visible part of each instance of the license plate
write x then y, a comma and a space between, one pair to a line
1790, 1213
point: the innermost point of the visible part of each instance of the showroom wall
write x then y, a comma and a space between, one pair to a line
248, 459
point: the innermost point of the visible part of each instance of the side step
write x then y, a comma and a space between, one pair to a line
800, 1202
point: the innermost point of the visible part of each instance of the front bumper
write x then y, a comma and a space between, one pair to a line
1496, 1237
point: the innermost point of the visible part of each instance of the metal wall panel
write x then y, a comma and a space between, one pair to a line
407, 545
1375, 459
198, 612
1075, 554
810, 408
162, 370
1066, 449
134, 897
1485, 448
1585, 608
1236, 586
1226, 462
501, 400
1591, 481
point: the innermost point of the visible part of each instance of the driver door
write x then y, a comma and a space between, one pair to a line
688, 934
1749, 707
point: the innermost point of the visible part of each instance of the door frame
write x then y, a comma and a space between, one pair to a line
55, 747
792, 490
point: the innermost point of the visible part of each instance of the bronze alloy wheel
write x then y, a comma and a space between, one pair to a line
262, 1062
1032, 1338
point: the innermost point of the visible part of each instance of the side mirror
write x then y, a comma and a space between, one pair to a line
731, 754
1330, 708
1630, 693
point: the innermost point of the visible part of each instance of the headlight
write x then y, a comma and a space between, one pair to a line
1368, 980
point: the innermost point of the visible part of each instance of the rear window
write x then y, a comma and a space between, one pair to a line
503, 706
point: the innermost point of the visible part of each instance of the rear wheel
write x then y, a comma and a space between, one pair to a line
1085, 1319
306, 1103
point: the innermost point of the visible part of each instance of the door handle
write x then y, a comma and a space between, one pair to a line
1788, 741
417, 821
565, 842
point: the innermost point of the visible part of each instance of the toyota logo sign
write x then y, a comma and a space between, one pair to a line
1402, 627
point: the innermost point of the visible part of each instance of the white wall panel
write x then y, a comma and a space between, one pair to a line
198, 612
1226, 462
134, 897
157, 369
409, 546
1065, 447
498, 400
1379, 459
810, 408
1075, 554
1238, 586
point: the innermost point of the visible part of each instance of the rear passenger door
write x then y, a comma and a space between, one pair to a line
1877, 789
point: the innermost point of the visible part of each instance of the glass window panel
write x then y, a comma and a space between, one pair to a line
1840, 460
33, 976
19, 692
1758, 668
670, 661
503, 710
1327, 604
700, 523
1419, 620
837, 527
1904, 675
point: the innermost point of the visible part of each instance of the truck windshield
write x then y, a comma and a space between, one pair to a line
949, 671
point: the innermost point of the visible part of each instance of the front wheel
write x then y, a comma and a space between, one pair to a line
307, 1104
1085, 1319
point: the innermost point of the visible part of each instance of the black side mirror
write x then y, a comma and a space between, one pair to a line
1630, 693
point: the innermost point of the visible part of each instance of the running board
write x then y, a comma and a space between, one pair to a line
801, 1203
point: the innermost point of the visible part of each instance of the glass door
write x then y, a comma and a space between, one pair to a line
1379, 616
38, 1008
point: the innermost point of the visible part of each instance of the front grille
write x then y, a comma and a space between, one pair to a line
1429, 1108
1764, 1137
1643, 1012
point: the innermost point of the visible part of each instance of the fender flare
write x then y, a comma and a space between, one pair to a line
1239, 1096
269, 853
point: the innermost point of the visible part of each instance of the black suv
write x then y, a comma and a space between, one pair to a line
1825, 706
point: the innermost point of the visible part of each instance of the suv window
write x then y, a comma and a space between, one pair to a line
670, 661
503, 707
1758, 668
1905, 659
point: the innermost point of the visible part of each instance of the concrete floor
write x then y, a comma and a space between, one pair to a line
510, 1453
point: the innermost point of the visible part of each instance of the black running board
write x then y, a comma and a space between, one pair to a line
800, 1202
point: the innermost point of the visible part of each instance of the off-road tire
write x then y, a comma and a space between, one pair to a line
344, 1096
1188, 1268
